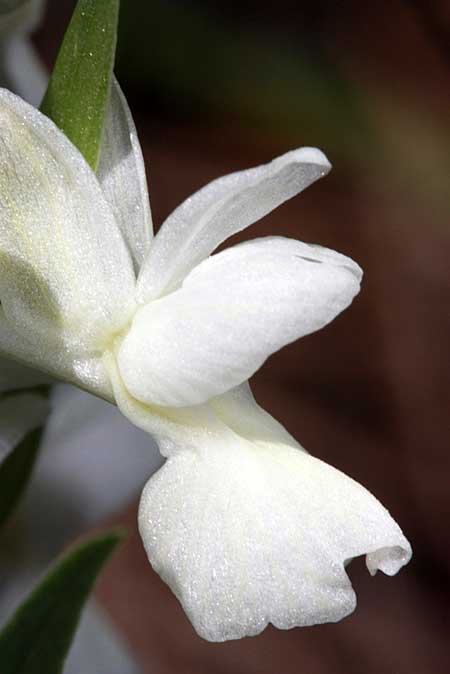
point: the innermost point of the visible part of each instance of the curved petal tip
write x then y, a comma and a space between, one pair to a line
248, 535
389, 560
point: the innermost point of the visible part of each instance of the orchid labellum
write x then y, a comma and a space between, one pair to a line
244, 525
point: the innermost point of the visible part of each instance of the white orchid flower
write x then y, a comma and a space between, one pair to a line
244, 525
20, 67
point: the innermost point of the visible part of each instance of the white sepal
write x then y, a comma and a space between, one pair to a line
233, 311
121, 172
220, 209
67, 280
84, 370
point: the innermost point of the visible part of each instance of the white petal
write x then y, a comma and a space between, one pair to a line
121, 172
170, 427
239, 410
67, 278
222, 208
248, 534
58, 362
231, 313
249, 530
20, 414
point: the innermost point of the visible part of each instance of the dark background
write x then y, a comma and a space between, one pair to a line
215, 87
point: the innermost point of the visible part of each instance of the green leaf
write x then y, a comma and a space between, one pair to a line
22, 417
37, 638
15, 472
78, 92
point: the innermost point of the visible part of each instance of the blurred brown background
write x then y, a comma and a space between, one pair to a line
215, 87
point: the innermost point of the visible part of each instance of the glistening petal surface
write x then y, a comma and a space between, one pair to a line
222, 208
67, 277
121, 172
61, 362
230, 314
245, 526
248, 534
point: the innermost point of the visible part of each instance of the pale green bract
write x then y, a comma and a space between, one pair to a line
244, 525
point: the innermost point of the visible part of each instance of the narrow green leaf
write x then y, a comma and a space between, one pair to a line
78, 92
15, 472
37, 638
22, 417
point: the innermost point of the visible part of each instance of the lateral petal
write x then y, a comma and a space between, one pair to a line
66, 273
220, 209
230, 314
121, 172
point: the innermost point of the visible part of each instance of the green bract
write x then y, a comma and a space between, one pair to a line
78, 92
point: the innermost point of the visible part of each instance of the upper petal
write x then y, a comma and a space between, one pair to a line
54, 361
238, 410
121, 172
67, 278
230, 314
222, 208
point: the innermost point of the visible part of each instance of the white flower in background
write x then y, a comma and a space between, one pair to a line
20, 67
245, 526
